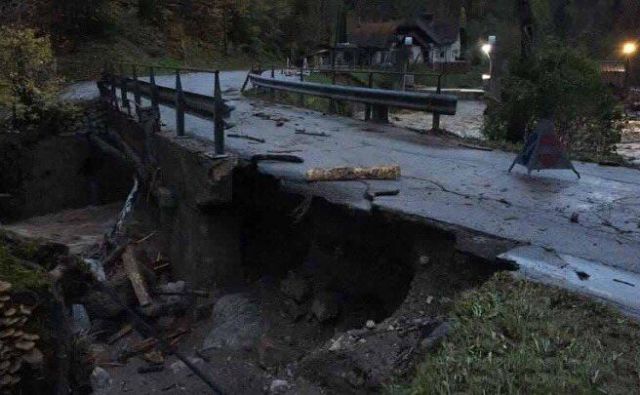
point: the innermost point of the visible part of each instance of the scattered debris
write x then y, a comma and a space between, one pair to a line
150, 369
371, 324
575, 218
582, 275
100, 379
285, 151
609, 163
315, 134
262, 115
96, 268
124, 331
325, 307
81, 322
624, 282
237, 324
276, 158
154, 357
246, 137
371, 196
476, 147
278, 387
354, 173
147, 237
136, 278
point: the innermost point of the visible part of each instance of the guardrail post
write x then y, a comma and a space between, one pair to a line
124, 95
136, 88
155, 105
436, 116
272, 91
218, 117
367, 109
380, 114
332, 103
179, 105
113, 98
301, 98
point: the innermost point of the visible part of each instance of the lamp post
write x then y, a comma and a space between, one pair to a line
628, 50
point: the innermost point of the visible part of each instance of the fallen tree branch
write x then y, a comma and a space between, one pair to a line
246, 137
276, 158
315, 134
354, 173
370, 196
476, 147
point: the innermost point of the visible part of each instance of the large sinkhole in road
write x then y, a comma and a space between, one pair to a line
339, 267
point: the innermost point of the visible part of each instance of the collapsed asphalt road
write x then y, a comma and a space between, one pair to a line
581, 234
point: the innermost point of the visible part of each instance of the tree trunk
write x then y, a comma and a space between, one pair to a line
527, 30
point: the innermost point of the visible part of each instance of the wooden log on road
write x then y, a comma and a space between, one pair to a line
354, 173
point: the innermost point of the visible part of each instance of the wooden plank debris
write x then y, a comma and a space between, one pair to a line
120, 334
133, 272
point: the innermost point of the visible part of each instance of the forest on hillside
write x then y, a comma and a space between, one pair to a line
277, 28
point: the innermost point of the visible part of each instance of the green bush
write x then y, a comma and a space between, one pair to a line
558, 83
28, 84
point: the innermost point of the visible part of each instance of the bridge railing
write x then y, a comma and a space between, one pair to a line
377, 101
126, 78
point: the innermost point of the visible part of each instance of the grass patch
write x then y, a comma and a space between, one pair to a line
512, 336
21, 277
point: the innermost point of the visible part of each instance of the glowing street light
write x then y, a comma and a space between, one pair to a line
487, 48
629, 48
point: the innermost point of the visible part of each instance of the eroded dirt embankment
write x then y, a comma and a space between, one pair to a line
45, 173
261, 289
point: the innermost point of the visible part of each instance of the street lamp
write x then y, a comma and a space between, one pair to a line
628, 50
487, 48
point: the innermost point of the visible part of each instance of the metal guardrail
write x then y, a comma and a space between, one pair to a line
378, 101
183, 102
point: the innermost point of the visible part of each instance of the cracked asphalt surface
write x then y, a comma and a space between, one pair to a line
442, 183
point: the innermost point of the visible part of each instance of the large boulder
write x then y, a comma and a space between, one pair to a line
237, 324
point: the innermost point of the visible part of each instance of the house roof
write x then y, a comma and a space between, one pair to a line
382, 34
441, 32
374, 34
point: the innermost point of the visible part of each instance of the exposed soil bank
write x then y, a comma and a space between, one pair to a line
327, 298
54, 173
320, 296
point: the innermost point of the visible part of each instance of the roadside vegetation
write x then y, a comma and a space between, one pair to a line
29, 86
561, 84
513, 336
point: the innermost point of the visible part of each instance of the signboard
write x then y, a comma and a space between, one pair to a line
543, 150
